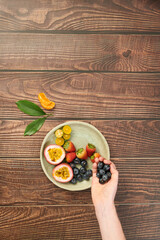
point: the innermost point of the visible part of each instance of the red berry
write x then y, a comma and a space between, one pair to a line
95, 155
90, 148
69, 146
70, 156
81, 153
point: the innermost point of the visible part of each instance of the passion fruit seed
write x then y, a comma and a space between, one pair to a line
62, 172
55, 153
59, 133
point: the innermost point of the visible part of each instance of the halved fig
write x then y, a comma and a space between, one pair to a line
54, 154
63, 173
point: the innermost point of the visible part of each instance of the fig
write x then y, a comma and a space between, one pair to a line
54, 154
62, 173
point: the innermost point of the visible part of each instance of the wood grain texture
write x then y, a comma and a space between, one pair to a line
71, 15
100, 95
24, 183
126, 138
63, 223
92, 52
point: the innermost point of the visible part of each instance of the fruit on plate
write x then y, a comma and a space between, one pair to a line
79, 178
81, 153
59, 141
82, 170
69, 146
83, 163
66, 136
45, 102
62, 173
95, 155
73, 181
72, 164
90, 148
54, 154
89, 172
77, 160
59, 133
67, 129
70, 156
75, 171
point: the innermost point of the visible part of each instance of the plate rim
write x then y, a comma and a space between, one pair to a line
53, 130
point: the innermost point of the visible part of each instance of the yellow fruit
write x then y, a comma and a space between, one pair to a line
59, 141
45, 102
66, 136
67, 129
59, 133
48, 106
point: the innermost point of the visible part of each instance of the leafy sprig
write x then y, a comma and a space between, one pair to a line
32, 109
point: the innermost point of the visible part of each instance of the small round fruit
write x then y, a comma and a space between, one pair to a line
72, 165
98, 175
105, 177
82, 170
59, 133
89, 173
101, 172
75, 171
66, 136
101, 181
106, 167
67, 129
77, 160
83, 163
62, 173
59, 141
100, 165
73, 181
109, 175
54, 154
79, 178
85, 177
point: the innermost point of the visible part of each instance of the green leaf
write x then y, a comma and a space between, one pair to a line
30, 108
91, 146
34, 126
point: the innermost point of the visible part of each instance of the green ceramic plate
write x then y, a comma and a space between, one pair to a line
82, 134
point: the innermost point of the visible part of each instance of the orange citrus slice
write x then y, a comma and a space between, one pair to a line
59, 141
45, 102
67, 129
66, 136
59, 133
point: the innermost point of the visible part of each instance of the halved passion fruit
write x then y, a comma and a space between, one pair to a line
54, 154
63, 173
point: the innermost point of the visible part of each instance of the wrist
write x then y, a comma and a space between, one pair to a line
103, 210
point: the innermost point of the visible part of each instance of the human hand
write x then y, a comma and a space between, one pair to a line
103, 194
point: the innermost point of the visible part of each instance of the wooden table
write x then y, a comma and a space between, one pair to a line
99, 61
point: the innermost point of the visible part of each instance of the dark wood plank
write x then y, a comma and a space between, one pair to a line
101, 52
139, 222
24, 183
82, 15
103, 95
126, 138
